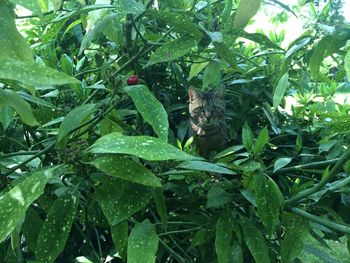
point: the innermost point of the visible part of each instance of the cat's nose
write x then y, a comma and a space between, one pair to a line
208, 115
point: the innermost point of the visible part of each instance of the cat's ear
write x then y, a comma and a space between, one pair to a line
220, 92
193, 93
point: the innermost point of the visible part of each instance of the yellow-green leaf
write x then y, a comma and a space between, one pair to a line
246, 10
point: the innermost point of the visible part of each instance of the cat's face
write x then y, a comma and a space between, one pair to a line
207, 108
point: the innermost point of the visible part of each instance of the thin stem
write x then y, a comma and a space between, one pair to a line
307, 166
172, 252
322, 221
336, 168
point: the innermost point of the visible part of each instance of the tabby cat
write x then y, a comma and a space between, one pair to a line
207, 120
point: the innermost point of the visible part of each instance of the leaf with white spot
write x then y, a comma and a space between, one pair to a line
269, 201
212, 75
12, 44
280, 163
124, 168
255, 241
173, 50
146, 147
143, 243
206, 167
31, 73
120, 199
73, 120
223, 238
119, 234
23, 109
15, 202
55, 230
151, 110
296, 233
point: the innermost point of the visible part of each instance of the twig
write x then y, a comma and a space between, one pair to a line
18, 153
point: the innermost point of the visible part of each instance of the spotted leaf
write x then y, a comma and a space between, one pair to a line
55, 230
15, 202
143, 243
146, 147
151, 110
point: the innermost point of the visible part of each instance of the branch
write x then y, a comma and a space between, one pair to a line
336, 168
322, 221
307, 166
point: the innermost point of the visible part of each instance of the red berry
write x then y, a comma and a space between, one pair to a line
133, 80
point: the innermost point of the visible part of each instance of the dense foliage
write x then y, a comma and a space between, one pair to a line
98, 168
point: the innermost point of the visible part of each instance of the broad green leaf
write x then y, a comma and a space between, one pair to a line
212, 76
181, 23
280, 90
55, 230
281, 162
225, 53
247, 136
120, 199
149, 148
12, 44
196, 68
206, 167
160, 201
203, 236
73, 120
218, 197
347, 64
255, 241
322, 255
36, 100
173, 50
129, 7
98, 28
120, 238
269, 201
324, 48
23, 109
32, 5
151, 110
15, 202
31, 73
226, 12
127, 169
258, 38
296, 229
143, 243
261, 141
297, 46
31, 228
223, 238
246, 10
6, 115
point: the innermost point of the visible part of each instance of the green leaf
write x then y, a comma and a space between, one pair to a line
280, 163
246, 10
255, 241
212, 76
72, 121
269, 201
280, 90
143, 243
31, 228
196, 68
149, 148
12, 44
205, 166
151, 110
324, 48
181, 23
55, 230
31, 73
32, 5
127, 169
261, 141
23, 109
160, 201
247, 137
173, 50
120, 238
297, 46
226, 12
347, 64
98, 28
121, 204
223, 238
218, 197
258, 38
6, 115
15, 202
225, 53
129, 7
296, 229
